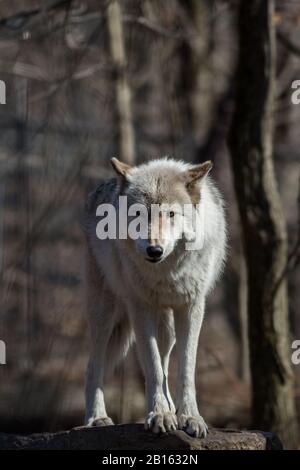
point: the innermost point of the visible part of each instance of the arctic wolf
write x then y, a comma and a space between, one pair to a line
153, 290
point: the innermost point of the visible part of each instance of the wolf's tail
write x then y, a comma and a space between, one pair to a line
119, 344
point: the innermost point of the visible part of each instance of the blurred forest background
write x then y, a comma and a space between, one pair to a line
137, 79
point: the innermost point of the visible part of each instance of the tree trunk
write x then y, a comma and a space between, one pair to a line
123, 95
197, 73
264, 230
126, 141
243, 318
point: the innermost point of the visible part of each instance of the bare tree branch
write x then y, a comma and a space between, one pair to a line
287, 43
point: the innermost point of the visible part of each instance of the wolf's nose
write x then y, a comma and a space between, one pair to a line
154, 251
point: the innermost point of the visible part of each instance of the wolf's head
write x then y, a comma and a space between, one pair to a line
160, 193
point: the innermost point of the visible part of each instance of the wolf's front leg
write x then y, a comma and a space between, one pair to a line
160, 417
187, 327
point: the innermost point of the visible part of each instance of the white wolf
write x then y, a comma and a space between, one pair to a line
153, 290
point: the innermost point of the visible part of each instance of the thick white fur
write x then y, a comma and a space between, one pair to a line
131, 299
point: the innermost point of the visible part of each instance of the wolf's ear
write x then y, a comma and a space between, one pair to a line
120, 168
198, 172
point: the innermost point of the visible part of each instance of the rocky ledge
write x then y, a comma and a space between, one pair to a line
134, 437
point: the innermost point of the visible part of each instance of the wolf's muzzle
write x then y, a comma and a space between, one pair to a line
154, 252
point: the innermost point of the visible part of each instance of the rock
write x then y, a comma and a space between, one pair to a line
134, 437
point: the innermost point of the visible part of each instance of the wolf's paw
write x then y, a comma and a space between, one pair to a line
161, 422
193, 425
99, 422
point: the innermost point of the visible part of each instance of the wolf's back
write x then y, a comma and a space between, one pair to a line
104, 193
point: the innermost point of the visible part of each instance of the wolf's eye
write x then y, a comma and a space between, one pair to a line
138, 213
171, 214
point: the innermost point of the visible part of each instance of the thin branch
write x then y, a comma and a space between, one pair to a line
27, 12
288, 43
154, 27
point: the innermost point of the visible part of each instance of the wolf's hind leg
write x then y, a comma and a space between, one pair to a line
112, 341
102, 319
100, 310
96, 414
